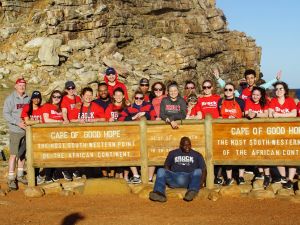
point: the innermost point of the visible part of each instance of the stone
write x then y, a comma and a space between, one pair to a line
297, 192
4, 71
34, 43
258, 184
285, 193
65, 48
52, 188
261, 194
136, 189
67, 193
78, 44
176, 193
204, 193
3, 193
88, 76
275, 187
245, 188
70, 186
33, 192
106, 186
232, 191
144, 191
214, 196
248, 177
47, 52
118, 56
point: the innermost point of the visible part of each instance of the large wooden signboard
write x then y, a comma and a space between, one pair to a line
81, 145
161, 139
259, 143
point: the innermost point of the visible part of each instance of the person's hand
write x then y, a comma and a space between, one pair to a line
22, 125
278, 75
276, 115
231, 117
66, 121
174, 125
216, 73
141, 114
127, 103
251, 114
157, 118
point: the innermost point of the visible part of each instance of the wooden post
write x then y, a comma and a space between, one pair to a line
208, 152
29, 156
144, 152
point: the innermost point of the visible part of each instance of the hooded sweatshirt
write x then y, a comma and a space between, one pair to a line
173, 110
117, 85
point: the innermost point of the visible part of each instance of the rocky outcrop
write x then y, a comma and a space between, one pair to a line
160, 40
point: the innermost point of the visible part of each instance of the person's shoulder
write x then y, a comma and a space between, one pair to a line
239, 100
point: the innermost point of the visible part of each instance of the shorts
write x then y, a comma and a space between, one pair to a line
16, 141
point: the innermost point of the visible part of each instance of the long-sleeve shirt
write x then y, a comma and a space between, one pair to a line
131, 111
12, 109
173, 110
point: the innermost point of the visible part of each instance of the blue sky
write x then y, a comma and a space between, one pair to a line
275, 25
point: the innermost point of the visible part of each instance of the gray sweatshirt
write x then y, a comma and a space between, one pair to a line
173, 110
12, 110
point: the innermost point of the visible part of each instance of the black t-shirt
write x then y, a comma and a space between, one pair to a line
179, 161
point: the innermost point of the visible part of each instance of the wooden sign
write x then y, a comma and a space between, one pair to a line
256, 143
82, 144
161, 139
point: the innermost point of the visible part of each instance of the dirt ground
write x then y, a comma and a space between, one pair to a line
15, 208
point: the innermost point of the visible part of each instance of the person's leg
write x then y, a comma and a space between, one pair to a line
195, 180
151, 170
281, 170
160, 182
136, 179
292, 173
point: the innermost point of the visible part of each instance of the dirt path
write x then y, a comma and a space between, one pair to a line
129, 209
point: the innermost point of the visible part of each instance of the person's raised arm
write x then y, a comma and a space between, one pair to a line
269, 83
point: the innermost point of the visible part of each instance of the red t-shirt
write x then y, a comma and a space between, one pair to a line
288, 105
246, 93
209, 105
195, 110
37, 114
52, 111
114, 112
298, 109
70, 104
87, 113
256, 108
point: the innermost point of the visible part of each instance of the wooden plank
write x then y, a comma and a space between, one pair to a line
29, 157
144, 153
209, 152
56, 164
262, 142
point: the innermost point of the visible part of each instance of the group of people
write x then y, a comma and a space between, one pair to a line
160, 102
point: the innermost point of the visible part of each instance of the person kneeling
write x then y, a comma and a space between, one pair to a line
183, 169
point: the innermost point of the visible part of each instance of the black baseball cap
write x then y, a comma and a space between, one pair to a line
36, 94
110, 70
69, 84
144, 81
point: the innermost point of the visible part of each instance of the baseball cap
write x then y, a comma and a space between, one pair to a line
69, 84
110, 70
144, 81
36, 94
20, 81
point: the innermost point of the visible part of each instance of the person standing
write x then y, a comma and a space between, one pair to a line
184, 168
12, 110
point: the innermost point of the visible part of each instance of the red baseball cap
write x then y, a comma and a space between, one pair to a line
20, 81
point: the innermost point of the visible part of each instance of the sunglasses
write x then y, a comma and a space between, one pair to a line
144, 85
279, 89
206, 87
56, 96
157, 89
228, 89
70, 88
138, 98
192, 100
189, 88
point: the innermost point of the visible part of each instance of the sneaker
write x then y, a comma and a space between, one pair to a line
288, 185
135, 180
157, 197
218, 181
76, 174
55, 176
48, 180
22, 179
267, 180
229, 182
190, 195
283, 180
67, 175
12, 185
241, 180
279, 180
39, 180
259, 176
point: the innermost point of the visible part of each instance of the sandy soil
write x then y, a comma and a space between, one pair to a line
15, 208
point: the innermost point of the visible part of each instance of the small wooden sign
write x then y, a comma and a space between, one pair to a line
81, 144
256, 143
161, 139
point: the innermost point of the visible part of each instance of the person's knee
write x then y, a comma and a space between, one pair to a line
197, 172
161, 172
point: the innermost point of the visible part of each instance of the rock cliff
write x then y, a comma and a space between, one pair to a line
50, 41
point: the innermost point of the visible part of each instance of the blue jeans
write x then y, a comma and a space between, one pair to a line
164, 177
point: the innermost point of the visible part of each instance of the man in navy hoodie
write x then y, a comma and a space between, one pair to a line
183, 169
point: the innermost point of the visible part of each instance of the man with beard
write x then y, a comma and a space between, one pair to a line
104, 99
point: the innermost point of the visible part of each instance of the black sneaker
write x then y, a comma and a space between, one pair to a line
259, 176
190, 195
157, 197
218, 181
267, 180
288, 185
56, 176
76, 174
241, 180
67, 175
229, 182
48, 180
135, 180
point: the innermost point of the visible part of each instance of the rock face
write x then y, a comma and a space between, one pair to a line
161, 40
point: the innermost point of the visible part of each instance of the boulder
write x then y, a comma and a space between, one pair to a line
106, 186
245, 188
80, 44
232, 191
71, 186
53, 188
67, 193
275, 187
144, 192
3, 193
47, 52
261, 194
285, 193
34, 43
33, 192
176, 193
258, 184
214, 196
